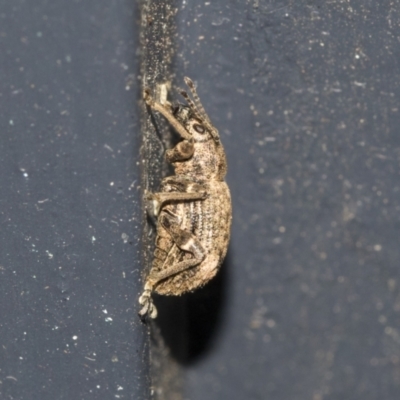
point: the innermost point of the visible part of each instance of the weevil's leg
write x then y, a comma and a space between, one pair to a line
183, 189
167, 114
186, 241
155, 201
181, 152
147, 303
153, 279
182, 183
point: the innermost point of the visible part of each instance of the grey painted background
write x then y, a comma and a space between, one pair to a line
69, 213
306, 97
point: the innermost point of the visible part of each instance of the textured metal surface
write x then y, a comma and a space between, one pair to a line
306, 99
70, 218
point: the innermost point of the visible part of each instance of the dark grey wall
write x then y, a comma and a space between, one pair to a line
306, 97
69, 237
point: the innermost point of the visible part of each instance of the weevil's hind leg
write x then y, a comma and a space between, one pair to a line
146, 301
186, 242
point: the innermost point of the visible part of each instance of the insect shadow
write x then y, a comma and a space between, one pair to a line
191, 323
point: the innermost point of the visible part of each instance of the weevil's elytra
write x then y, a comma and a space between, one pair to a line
193, 207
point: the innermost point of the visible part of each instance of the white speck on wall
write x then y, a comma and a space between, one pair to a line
93, 239
11, 122
105, 311
125, 237
24, 173
360, 84
74, 337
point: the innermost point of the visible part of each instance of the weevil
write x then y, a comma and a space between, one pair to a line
193, 207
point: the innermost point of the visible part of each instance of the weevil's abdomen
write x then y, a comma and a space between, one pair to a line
209, 220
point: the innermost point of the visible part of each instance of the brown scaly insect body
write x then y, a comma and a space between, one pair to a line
193, 207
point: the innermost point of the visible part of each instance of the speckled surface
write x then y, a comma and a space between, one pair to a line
306, 99
70, 219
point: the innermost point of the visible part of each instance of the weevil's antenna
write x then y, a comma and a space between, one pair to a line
196, 98
149, 100
198, 108
191, 105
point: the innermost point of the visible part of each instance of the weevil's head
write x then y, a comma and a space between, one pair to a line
194, 124
208, 160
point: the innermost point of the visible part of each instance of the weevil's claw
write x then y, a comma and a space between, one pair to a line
147, 97
152, 206
148, 309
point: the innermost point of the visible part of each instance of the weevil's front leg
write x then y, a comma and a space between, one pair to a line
186, 241
155, 105
183, 150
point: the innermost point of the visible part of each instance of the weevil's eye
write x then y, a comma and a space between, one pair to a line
199, 128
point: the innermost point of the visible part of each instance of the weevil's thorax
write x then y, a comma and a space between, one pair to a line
208, 161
